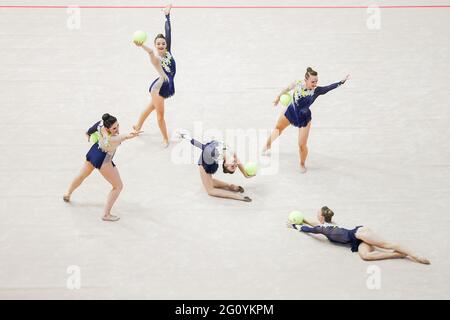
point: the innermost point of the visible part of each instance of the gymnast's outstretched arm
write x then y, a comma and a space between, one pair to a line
323, 90
167, 27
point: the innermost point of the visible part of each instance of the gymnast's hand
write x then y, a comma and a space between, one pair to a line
166, 10
289, 224
275, 102
346, 78
133, 134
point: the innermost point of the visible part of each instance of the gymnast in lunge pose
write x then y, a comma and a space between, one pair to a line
100, 156
214, 152
361, 239
163, 87
298, 113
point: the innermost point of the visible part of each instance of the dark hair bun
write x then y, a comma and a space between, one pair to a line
310, 72
108, 120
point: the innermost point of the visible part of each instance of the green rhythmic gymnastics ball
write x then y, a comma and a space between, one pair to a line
93, 138
285, 99
139, 37
251, 168
296, 217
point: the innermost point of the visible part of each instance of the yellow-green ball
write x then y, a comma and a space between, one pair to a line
139, 37
285, 99
251, 168
296, 217
93, 138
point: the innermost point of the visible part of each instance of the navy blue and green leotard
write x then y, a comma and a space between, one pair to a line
298, 112
166, 87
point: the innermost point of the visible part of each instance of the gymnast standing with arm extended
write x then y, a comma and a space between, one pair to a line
298, 112
100, 156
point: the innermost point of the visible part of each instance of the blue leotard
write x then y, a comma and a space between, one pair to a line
335, 234
209, 158
213, 152
95, 155
298, 112
166, 88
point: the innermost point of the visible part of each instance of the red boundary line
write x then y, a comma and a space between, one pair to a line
226, 7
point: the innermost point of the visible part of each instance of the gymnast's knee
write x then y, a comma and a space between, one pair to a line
366, 256
212, 192
279, 129
118, 187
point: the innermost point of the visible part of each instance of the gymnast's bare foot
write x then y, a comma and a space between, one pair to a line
236, 188
421, 260
302, 168
111, 218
